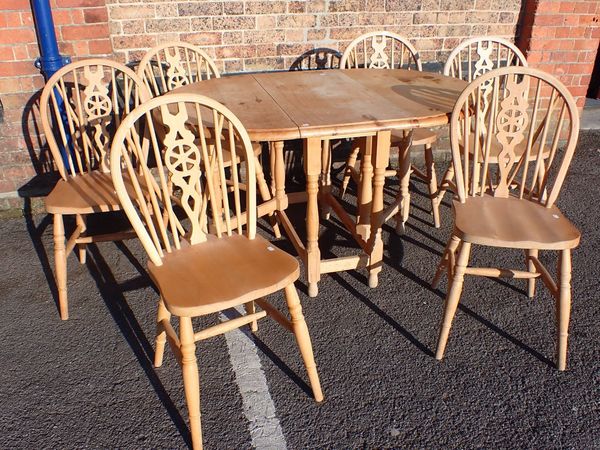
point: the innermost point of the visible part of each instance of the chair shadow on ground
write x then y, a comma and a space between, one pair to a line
112, 295
232, 313
39, 186
393, 258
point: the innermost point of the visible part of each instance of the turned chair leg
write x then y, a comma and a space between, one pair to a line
403, 196
447, 261
251, 309
60, 263
163, 315
432, 184
325, 178
563, 308
350, 167
531, 268
191, 382
82, 222
443, 187
303, 339
452, 298
265, 194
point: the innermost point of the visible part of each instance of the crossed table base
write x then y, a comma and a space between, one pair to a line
317, 106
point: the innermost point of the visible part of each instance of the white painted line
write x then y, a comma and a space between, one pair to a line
259, 409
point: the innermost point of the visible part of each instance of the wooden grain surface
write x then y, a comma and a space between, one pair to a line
289, 105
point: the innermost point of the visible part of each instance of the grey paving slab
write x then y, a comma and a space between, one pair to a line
88, 382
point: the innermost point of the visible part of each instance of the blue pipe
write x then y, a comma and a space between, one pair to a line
50, 60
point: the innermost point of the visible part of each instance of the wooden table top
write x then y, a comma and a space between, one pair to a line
290, 105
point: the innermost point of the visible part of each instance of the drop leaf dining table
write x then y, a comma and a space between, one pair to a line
317, 106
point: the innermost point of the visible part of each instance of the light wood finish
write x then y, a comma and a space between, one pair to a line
478, 55
174, 64
82, 105
386, 50
511, 203
315, 106
470, 59
198, 227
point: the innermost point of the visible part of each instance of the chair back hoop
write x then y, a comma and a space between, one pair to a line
476, 56
174, 64
193, 189
381, 50
530, 115
81, 106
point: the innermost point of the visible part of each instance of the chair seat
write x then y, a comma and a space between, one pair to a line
420, 136
513, 223
84, 194
222, 273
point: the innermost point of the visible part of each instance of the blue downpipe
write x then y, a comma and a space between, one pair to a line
50, 60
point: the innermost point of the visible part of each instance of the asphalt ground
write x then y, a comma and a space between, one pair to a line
89, 383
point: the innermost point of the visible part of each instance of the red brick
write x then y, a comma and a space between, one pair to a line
95, 15
19, 35
77, 32
79, 3
6, 53
14, 5
549, 20
27, 18
61, 17
16, 68
20, 52
100, 47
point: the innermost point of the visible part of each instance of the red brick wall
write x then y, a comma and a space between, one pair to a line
561, 37
82, 30
261, 35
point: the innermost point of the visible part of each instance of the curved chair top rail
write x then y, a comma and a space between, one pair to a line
197, 132
476, 56
81, 106
531, 114
175, 64
381, 50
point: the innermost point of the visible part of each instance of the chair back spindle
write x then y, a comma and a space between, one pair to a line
476, 56
191, 192
534, 127
172, 65
380, 50
82, 105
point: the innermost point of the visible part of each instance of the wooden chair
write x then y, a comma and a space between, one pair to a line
81, 107
469, 60
511, 203
197, 272
387, 50
175, 64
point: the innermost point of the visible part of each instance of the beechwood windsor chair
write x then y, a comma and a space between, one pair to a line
82, 105
510, 164
387, 50
469, 60
199, 229
172, 65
